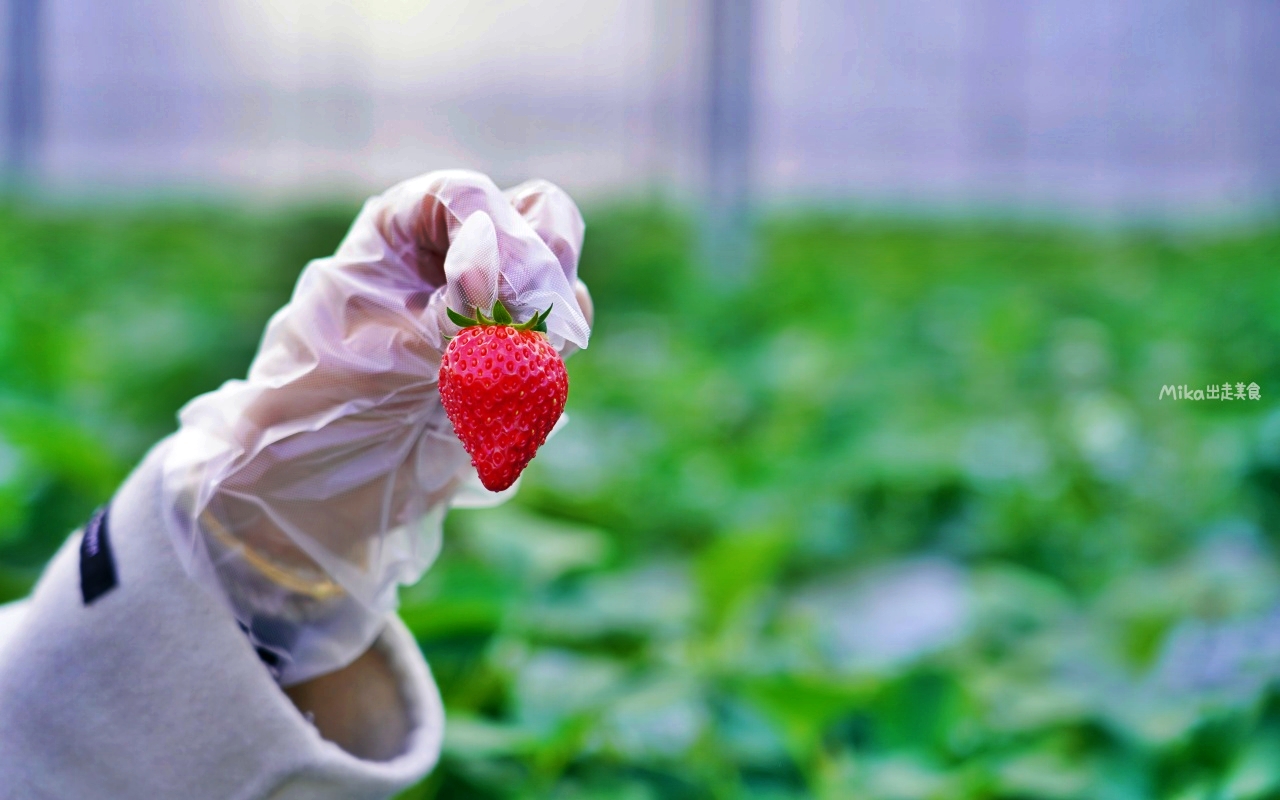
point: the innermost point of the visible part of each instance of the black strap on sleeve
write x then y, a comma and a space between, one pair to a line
97, 565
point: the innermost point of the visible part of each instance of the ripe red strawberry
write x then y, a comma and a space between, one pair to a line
503, 387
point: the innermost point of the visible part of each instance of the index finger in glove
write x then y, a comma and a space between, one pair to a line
554, 217
421, 232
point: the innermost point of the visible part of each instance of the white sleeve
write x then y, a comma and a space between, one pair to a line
151, 689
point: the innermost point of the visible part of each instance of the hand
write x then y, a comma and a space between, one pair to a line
307, 492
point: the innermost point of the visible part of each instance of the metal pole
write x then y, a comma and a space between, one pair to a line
24, 100
729, 138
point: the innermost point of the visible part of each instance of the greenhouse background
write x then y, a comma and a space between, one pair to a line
869, 489
1104, 104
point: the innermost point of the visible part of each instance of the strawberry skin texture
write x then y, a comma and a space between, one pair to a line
503, 390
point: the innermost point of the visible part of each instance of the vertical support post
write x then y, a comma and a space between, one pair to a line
728, 140
1259, 101
24, 101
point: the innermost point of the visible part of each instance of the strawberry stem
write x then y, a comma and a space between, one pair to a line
538, 322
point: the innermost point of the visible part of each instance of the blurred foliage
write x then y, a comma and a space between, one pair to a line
900, 516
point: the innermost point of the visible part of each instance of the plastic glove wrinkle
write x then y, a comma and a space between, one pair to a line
334, 463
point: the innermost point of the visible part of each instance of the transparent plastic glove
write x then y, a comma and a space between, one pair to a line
305, 494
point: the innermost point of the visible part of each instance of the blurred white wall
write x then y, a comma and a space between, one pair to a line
1117, 104
316, 93
1114, 103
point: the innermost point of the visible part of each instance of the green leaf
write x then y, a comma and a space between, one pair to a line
500, 313
1256, 773
535, 547
458, 319
540, 320
472, 736
737, 566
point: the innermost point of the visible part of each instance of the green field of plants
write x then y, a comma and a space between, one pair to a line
900, 513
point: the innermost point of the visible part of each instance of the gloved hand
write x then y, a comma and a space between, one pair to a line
305, 494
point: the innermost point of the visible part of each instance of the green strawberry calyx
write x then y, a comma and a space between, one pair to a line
538, 322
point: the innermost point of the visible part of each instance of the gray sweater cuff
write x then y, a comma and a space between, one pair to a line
152, 690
